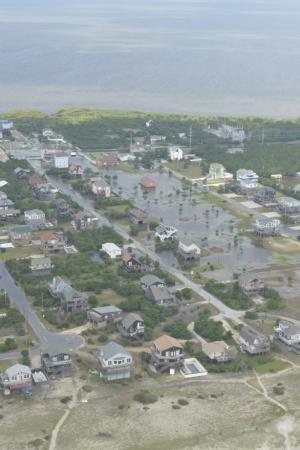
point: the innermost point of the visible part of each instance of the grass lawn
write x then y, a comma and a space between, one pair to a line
16, 253
109, 297
268, 365
192, 170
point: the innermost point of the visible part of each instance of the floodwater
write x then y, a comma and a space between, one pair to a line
228, 57
207, 225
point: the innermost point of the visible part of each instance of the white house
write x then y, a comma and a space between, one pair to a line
112, 250
288, 332
115, 362
188, 250
125, 157
101, 188
175, 153
17, 378
247, 179
61, 161
6, 124
35, 217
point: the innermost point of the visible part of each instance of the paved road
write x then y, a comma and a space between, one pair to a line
44, 336
87, 205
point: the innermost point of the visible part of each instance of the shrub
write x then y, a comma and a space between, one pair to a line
66, 399
182, 402
145, 397
278, 390
87, 388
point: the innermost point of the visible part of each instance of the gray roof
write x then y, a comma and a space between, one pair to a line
160, 293
250, 335
13, 370
106, 309
56, 349
130, 319
112, 349
36, 262
149, 280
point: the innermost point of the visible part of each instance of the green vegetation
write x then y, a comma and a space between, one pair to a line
145, 397
178, 329
230, 294
9, 344
267, 364
92, 240
211, 329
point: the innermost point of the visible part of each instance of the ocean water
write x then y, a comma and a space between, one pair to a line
230, 57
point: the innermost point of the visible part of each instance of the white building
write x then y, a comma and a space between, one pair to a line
35, 217
267, 226
289, 205
61, 161
6, 124
247, 179
101, 188
115, 362
288, 333
175, 153
112, 250
188, 250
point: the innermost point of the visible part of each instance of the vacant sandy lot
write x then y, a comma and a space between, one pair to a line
223, 415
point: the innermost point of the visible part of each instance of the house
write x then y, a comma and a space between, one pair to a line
36, 218
63, 208
166, 353
247, 179
61, 160
56, 360
84, 221
21, 174
253, 342
108, 161
288, 332
52, 242
103, 314
7, 215
217, 174
160, 295
132, 326
115, 362
71, 300
164, 232
289, 205
267, 226
44, 193
219, 351
21, 236
265, 195
100, 188
157, 139
112, 250
126, 157
6, 203
35, 181
188, 250
6, 124
147, 183
251, 285
40, 265
133, 263
17, 378
151, 280
277, 177
175, 153
75, 171
138, 217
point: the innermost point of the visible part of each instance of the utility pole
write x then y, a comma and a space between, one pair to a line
191, 136
263, 135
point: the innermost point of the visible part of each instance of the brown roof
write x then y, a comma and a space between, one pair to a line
128, 256
138, 213
48, 236
165, 342
35, 180
147, 182
214, 347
